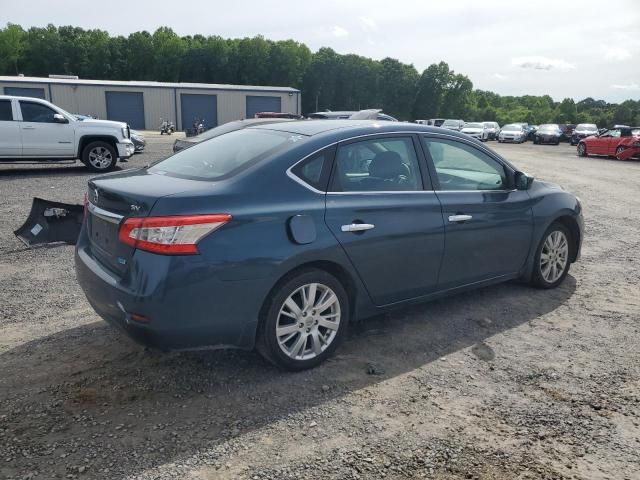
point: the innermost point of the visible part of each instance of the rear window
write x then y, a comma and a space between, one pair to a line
226, 155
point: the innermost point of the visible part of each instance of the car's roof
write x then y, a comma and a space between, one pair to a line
9, 97
344, 127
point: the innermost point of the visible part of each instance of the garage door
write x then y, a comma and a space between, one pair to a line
198, 107
262, 104
126, 107
25, 92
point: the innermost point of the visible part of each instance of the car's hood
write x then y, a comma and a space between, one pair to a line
472, 130
90, 122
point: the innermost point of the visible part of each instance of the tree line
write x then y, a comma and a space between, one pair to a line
328, 80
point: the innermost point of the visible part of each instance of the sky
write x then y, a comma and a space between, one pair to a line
577, 49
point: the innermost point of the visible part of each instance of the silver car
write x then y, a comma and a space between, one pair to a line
513, 132
476, 130
493, 129
453, 125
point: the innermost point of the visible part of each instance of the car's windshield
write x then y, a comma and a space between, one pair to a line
473, 125
454, 123
226, 155
549, 128
586, 126
512, 128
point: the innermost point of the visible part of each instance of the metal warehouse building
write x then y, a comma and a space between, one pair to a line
143, 104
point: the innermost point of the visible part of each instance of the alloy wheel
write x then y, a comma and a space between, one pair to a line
582, 149
554, 256
100, 158
308, 321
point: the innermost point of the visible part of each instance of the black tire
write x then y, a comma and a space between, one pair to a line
106, 151
535, 141
582, 150
619, 150
538, 279
267, 341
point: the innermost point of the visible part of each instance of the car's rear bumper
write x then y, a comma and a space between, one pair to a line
185, 304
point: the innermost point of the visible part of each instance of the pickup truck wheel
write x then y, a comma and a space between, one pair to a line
99, 156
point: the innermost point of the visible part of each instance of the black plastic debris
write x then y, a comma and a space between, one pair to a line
51, 222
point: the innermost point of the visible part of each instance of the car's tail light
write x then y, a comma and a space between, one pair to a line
175, 235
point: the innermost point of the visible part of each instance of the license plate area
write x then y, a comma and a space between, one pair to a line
104, 234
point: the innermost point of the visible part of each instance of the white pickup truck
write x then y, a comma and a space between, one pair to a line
34, 130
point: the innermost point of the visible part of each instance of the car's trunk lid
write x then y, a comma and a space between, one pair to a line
115, 197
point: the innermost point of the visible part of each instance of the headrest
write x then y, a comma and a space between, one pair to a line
387, 165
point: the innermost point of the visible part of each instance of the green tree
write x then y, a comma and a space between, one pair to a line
12, 44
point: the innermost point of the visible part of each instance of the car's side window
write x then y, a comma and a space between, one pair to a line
462, 167
36, 112
614, 133
312, 170
6, 115
377, 165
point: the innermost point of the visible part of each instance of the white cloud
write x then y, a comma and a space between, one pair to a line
617, 54
339, 31
630, 86
542, 63
499, 76
369, 24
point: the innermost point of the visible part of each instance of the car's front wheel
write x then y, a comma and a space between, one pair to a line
304, 320
619, 150
99, 156
552, 257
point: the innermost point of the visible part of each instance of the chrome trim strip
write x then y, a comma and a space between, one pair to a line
477, 191
104, 214
368, 192
298, 180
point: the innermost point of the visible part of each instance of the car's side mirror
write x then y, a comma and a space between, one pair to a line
523, 181
58, 118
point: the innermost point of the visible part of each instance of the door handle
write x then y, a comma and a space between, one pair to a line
459, 218
357, 227
28, 127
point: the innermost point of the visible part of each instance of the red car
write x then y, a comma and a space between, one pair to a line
621, 142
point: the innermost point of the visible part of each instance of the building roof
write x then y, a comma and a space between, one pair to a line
143, 84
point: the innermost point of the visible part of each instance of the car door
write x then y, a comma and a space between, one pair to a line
382, 210
42, 136
10, 141
488, 224
600, 144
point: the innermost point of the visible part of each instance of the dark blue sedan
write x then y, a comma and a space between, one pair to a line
276, 236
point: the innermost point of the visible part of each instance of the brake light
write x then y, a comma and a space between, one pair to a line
175, 235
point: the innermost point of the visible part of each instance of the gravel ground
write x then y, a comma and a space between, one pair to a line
506, 382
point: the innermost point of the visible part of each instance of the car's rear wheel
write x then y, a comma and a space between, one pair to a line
619, 150
552, 257
304, 321
582, 150
99, 156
